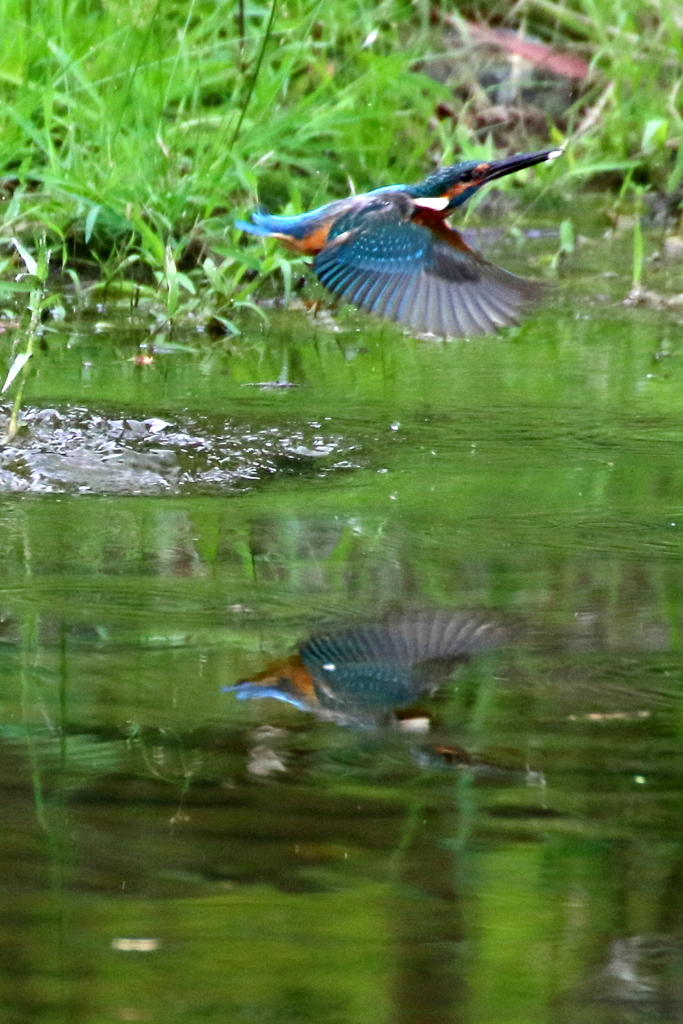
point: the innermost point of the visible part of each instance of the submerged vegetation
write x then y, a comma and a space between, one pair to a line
132, 134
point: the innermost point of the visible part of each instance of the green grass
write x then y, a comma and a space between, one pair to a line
133, 133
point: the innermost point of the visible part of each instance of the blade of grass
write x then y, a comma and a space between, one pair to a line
254, 77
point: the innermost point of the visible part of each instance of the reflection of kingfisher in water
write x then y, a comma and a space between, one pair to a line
392, 253
357, 675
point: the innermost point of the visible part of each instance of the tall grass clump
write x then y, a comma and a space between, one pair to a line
631, 107
129, 130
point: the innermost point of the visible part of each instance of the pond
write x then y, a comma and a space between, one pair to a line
484, 828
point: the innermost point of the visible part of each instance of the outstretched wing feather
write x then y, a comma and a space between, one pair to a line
384, 263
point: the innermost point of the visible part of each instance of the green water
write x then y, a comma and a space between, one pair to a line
172, 854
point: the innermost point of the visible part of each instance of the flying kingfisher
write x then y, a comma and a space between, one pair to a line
356, 675
391, 252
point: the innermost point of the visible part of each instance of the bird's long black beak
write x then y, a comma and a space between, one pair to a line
510, 164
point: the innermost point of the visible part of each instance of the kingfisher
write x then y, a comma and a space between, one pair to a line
357, 674
391, 252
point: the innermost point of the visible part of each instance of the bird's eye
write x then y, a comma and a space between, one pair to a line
474, 173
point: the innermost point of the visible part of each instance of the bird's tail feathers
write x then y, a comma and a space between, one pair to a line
261, 223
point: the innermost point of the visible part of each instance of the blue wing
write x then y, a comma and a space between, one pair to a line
380, 260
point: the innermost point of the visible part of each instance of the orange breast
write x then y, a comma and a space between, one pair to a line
291, 668
311, 244
434, 220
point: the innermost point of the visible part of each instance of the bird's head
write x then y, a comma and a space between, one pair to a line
451, 186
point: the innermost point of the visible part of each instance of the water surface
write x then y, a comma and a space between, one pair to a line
507, 848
